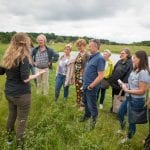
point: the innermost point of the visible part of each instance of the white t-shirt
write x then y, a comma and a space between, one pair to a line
62, 68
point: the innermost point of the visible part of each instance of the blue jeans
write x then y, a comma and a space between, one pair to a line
90, 100
60, 81
122, 112
133, 103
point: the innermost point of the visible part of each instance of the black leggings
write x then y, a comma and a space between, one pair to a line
102, 93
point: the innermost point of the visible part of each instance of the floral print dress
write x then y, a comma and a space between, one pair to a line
79, 70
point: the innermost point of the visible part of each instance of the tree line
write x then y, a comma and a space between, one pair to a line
5, 38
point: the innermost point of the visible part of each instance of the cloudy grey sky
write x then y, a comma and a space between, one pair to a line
116, 20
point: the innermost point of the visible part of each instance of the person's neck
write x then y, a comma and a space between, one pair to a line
42, 48
93, 53
82, 51
124, 60
67, 55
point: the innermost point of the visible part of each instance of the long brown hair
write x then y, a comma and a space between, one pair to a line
127, 51
143, 63
17, 51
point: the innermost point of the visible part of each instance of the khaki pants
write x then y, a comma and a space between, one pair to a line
19, 107
42, 82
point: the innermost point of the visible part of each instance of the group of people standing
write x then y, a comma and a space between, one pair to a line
95, 73
91, 73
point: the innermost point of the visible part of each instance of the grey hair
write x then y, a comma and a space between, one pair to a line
41, 36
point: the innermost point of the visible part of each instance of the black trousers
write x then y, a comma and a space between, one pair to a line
19, 107
102, 93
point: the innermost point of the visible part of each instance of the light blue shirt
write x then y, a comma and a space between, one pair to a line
135, 78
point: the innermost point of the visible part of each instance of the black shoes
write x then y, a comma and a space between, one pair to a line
93, 123
84, 118
123, 125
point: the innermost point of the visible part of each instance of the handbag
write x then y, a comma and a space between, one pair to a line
104, 84
117, 100
147, 140
137, 115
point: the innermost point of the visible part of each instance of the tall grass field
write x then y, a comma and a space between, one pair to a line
56, 126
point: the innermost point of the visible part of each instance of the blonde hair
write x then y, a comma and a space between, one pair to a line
108, 51
80, 42
69, 45
17, 51
41, 36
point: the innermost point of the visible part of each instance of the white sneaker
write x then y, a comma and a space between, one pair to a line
124, 140
119, 132
100, 106
9, 142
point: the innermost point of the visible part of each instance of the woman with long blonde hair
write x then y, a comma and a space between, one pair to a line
16, 66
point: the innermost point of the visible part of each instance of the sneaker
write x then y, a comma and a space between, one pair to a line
81, 108
10, 137
101, 106
9, 143
124, 140
84, 118
119, 132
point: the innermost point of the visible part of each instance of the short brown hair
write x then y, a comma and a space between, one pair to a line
80, 42
97, 42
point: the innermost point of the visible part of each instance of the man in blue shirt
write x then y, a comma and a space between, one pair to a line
92, 76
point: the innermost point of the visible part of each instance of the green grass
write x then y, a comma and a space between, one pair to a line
55, 126
59, 47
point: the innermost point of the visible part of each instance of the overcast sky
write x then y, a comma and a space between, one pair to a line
116, 20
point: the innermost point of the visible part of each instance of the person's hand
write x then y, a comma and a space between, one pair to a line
35, 64
125, 87
148, 103
42, 71
46, 69
49, 64
90, 87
